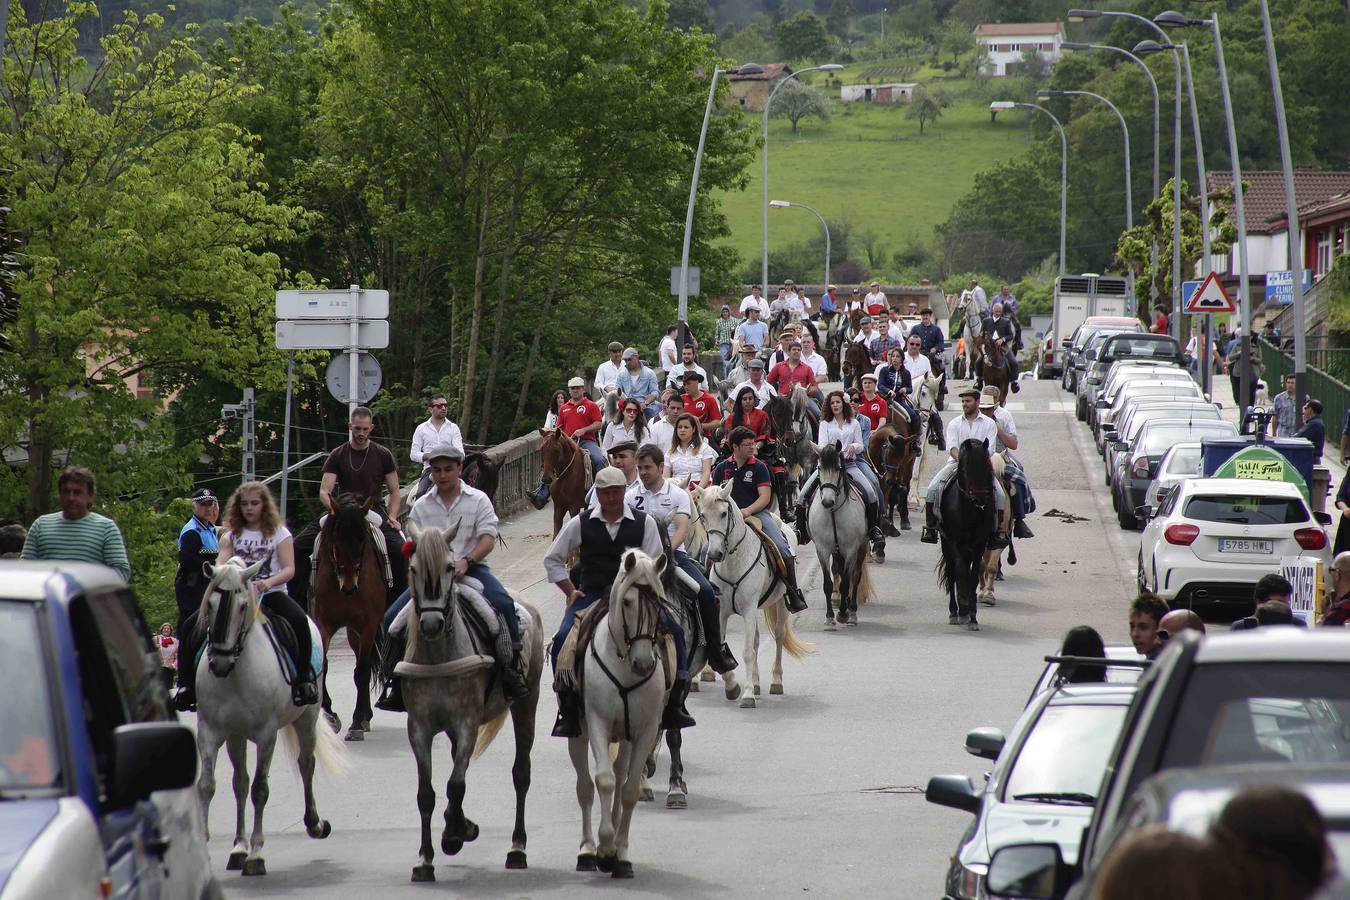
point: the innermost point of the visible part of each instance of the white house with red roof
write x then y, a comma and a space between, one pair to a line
1004, 45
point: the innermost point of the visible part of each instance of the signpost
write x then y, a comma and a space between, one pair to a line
694, 279
1209, 298
369, 377
301, 335
1280, 286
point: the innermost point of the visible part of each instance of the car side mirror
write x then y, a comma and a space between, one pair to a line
1091, 354
1102, 404
986, 743
1323, 518
1034, 871
1067, 342
956, 791
1144, 513
1119, 446
148, 757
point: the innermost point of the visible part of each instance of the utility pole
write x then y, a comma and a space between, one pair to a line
248, 468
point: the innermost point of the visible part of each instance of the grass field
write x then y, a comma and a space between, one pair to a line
868, 164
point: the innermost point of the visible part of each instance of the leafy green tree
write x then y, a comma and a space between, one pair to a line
839, 18
956, 38
802, 37
748, 45
796, 101
687, 14
1134, 249
926, 106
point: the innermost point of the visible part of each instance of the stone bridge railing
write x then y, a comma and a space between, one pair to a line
519, 465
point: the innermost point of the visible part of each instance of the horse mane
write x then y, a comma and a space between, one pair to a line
228, 577
798, 399
612, 406
431, 556
973, 460
642, 572
829, 459
349, 523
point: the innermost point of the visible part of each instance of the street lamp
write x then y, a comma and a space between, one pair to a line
683, 309
764, 256
998, 105
783, 204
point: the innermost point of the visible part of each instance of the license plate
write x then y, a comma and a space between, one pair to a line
1245, 545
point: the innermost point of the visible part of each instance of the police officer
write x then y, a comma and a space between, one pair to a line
197, 546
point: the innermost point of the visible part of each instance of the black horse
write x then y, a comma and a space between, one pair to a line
966, 529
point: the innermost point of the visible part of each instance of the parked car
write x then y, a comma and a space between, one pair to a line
1136, 464
1158, 349
1152, 409
1272, 695
1180, 463
1213, 539
1121, 673
1131, 393
97, 777
1127, 372
1091, 334
1044, 780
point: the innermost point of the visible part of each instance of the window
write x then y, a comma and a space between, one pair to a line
1065, 752
28, 748
1247, 510
1184, 460
1323, 264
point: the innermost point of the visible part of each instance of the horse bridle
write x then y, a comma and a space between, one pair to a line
628, 642
418, 609
233, 652
549, 479
639, 634
725, 534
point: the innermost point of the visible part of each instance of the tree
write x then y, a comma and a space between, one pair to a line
956, 38
796, 101
1134, 248
802, 37
687, 14
926, 106
837, 22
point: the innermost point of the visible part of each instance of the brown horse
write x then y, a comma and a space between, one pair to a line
891, 451
565, 468
996, 370
349, 592
857, 361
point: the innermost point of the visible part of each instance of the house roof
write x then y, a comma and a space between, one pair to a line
1263, 194
1333, 209
1018, 29
772, 72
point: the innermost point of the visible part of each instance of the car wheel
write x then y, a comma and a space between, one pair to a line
1080, 410
1139, 579
1128, 520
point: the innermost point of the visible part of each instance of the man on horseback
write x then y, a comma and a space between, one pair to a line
894, 384
757, 383
875, 301
701, 404
608, 371
661, 431
363, 469
969, 425
829, 304
1001, 330
1007, 442
792, 371
669, 503
637, 381
688, 363
454, 504
601, 535
580, 419
840, 424
753, 331
752, 490
870, 338
436, 430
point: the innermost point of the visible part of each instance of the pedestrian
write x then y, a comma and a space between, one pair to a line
167, 645
1159, 320
1160, 864
1276, 843
1345, 438
76, 533
1146, 613
12, 537
689, 455
639, 382
1342, 503
1179, 620
197, 548
754, 300
608, 371
667, 355
1313, 428
1082, 641
724, 334
1338, 610
436, 430
1285, 417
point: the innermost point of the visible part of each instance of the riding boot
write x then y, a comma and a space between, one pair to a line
874, 534
185, 700
803, 526
539, 496
794, 599
568, 724
392, 652
718, 653
305, 688
676, 716
1020, 530
929, 534
508, 666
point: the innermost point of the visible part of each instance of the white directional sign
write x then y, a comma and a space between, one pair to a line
1210, 298
694, 276
368, 379
332, 304
319, 335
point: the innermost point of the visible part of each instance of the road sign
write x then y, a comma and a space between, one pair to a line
332, 304
675, 280
292, 335
369, 377
1210, 298
1188, 289
1280, 286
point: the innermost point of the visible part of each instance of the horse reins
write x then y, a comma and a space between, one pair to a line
759, 552
576, 448
237, 649
629, 641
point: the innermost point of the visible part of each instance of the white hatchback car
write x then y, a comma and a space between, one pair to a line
1213, 538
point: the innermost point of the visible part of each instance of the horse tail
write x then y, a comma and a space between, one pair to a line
329, 750
865, 591
794, 645
487, 732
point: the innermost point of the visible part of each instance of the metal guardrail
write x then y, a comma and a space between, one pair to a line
1328, 374
519, 464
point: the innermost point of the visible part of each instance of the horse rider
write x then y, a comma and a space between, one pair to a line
754, 300
741, 372
436, 430
363, 469
197, 546
1007, 442
724, 334
661, 430
701, 404
870, 338
454, 504
622, 456
637, 381
896, 386
875, 301
855, 301
792, 372
669, 503
608, 371
829, 304
931, 341
1001, 329
817, 363
666, 353
601, 535
580, 419
752, 491
895, 328
980, 297
688, 363
970, 424
1009, 301
842, 425
759, 384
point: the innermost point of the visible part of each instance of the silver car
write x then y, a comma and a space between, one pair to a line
1180, 463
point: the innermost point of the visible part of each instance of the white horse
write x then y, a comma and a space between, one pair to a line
925, 401
243, 697
742, 572
972, 326
624, 685
838, 521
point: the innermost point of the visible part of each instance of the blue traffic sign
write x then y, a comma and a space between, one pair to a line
1280, 286
1188, 289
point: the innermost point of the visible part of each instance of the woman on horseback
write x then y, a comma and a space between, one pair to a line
689, 455
551, 417
632, 426
839, 424
255, 532
745, 411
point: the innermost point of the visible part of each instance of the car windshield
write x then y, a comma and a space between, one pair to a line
1184, 461
1141, 348
1157, 440
1063, 757
1263, 712
1245, 509
28, 757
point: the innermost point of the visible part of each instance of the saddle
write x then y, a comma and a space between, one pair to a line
771, 551
377, 538
571, 666
282, 638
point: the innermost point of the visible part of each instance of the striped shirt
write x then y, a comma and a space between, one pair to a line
93, 538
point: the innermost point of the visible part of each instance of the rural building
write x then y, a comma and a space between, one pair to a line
895, 92
1002, 47
752, 90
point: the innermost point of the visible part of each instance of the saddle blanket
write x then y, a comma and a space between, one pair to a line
283, 640
471, 590
377, 537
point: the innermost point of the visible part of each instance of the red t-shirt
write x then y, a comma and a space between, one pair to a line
705, 408
783, 378
1160, 324
757, 421
877, 409
572, 417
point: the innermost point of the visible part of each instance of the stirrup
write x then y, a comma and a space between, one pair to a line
568, 723
185, 700
928, 535
392, 698
514, 686
305, 691
720, 658
794, 600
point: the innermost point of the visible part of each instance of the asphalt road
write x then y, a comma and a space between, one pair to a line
817, 791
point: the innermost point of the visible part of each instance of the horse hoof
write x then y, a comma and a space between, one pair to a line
853, 622
516, 860
236, 861
953, 620
451, 846
605, 863
756, 690
365, 726
829, 622
333, 721
470, 831
646, 795
707, 675
733, 693
879, 556
905, 526
622, 869
424, 873
255, 866
747, 702
355, 734
972, 626
676, 800
693, 685
987, 600
320, 831
961, 620
586, 862
776, 689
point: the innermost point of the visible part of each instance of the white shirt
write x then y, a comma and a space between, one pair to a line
750, 300
793, 301
606, 374
962, 429
688, 461
863, 337
550, 419
981, 298
472, 510
1004, 420
676, 377
617, 433
665, 503
763, 391
896, 331
874, 298
851, 305
429, 437
252, 546
818, 365
848, 434
667, 353
917, 366
568, 541
659, 432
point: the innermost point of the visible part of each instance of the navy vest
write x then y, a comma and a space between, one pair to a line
601, 554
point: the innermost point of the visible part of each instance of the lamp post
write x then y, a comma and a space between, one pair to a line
1079, 15
783, 204
764, 257
1063, 165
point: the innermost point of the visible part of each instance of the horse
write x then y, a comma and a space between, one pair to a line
449, 688
834, 343
857, 362
838, 522
243, 697
566, 472
926, 393
479, 470
965, 530
972, 325
996, 369
993, 557
624, 683
747, 580
890, 448
792, 427
349, 592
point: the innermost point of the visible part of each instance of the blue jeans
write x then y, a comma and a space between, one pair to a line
707, 600
667, 622
492, 589
725, 347
775, 533
597, 455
